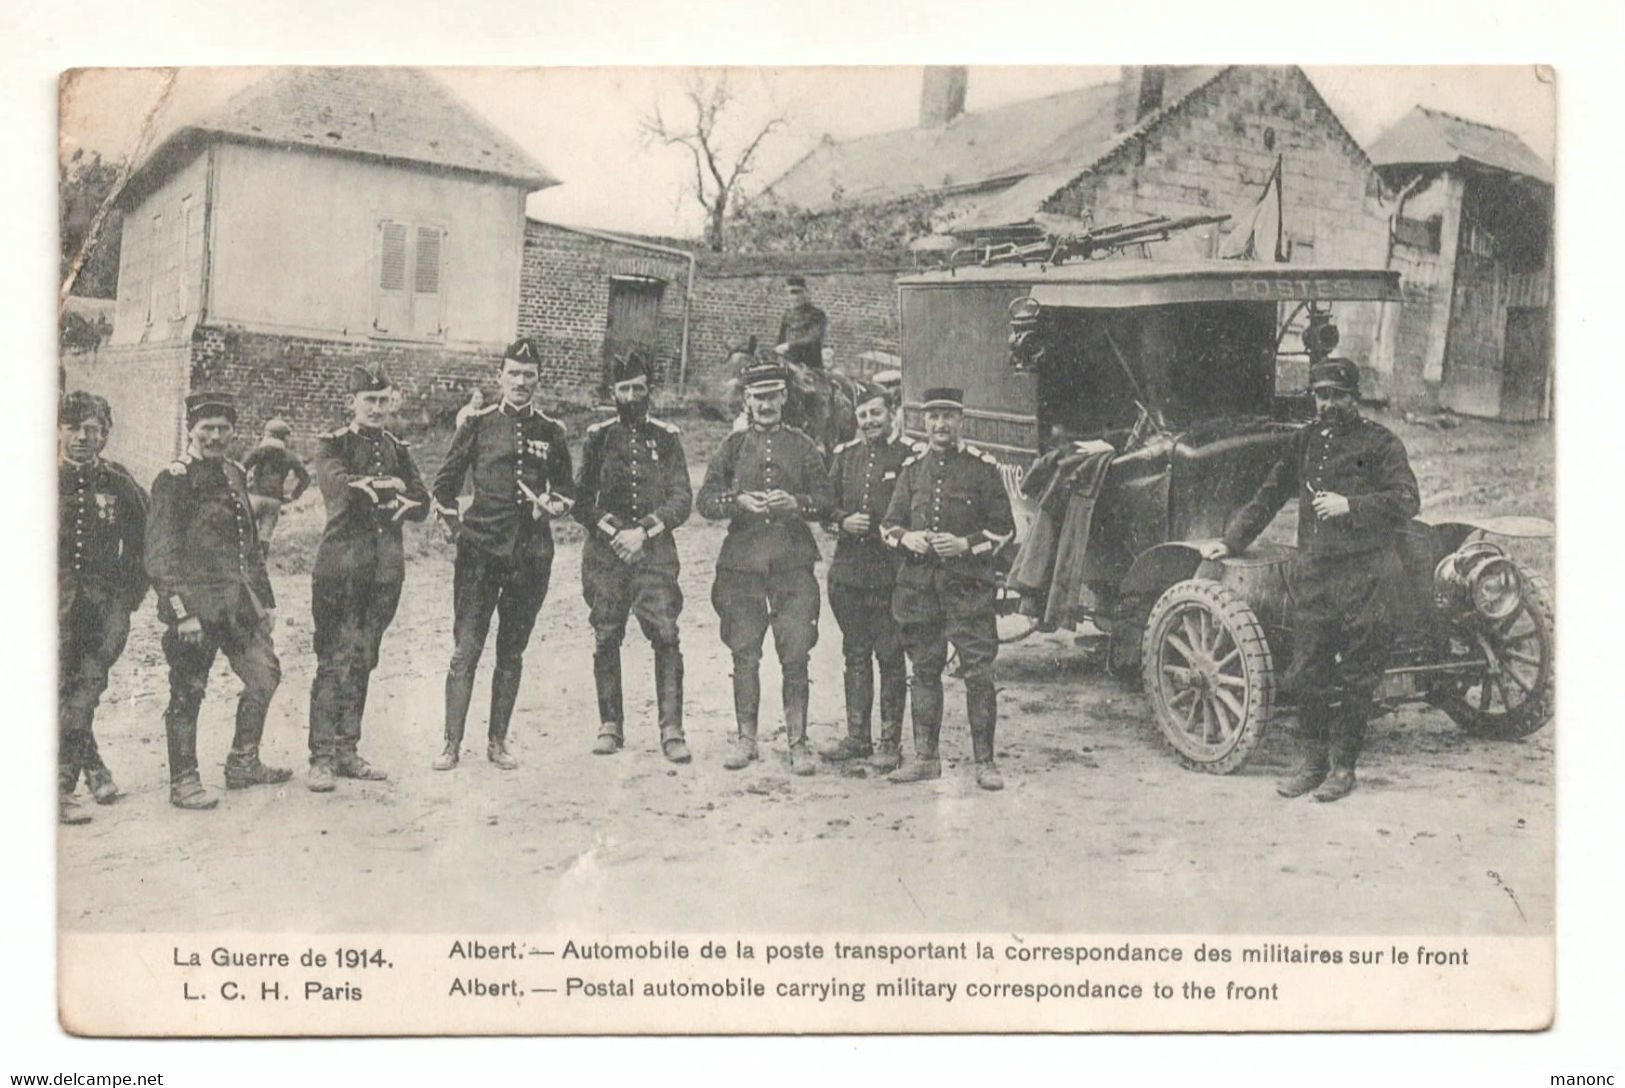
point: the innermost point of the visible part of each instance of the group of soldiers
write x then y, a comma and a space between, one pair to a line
916, 528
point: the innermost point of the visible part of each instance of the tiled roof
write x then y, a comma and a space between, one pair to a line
1431, 137
395, 114
1069, 130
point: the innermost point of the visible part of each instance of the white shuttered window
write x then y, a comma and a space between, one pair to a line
410, 263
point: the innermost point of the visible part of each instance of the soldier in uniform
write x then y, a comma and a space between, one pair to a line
204, 557
1355, 490
768, 481
801, 329
861, 579
948, 516
370, 486
631, 494
519, 460
101, 579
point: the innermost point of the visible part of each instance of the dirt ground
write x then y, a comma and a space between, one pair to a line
1099, 829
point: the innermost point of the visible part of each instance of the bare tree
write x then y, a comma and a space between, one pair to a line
717, 171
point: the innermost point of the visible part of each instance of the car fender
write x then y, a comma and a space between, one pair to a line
1454, 532
1258, 574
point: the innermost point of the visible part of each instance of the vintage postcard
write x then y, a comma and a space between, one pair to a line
803, 550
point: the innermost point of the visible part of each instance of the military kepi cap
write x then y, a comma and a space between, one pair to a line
79, 406
368, 379
944, 396
523, 350
206, 405
1339, 374
625, 368
760, 376
868, 391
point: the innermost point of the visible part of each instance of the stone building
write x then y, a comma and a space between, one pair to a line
1472, 237
1160, 141
323, 217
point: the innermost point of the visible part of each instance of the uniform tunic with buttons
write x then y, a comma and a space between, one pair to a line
864, 475
957, 491
101, 579
634, 474
781, 458
506, 450
101, 531
203, 551
363, 539
1345, 566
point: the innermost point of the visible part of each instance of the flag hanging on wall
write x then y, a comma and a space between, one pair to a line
1258, 235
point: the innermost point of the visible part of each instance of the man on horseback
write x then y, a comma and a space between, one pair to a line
801, 329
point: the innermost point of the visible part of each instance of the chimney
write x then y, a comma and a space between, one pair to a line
942, 95
1139, 92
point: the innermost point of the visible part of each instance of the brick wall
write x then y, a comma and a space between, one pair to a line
564, 302
146, 384
305, 380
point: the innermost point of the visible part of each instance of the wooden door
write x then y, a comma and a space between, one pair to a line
1525, 363
634, 317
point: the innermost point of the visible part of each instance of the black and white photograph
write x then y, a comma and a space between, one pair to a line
977, 544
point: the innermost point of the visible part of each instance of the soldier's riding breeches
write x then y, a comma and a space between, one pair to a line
483, 585
351, 616
614, 591
245, 639
91, 636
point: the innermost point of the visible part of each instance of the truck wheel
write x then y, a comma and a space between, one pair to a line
1208, 673
1515, 700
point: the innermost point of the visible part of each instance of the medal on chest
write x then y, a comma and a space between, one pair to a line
537, 447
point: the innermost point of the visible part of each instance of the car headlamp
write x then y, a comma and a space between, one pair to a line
1026, 344
1478, 577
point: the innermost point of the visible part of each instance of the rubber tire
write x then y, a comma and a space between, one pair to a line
1536, 710
1239, 620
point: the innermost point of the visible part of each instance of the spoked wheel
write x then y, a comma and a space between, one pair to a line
1514, 699
1208, 673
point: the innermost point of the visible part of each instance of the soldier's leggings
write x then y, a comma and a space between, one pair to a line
868, 630
615, 591
1340, 631
482, 586
246, 642
976, 637
351, 615
90, 638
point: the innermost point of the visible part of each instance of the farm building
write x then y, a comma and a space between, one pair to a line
1472, 236
323, 217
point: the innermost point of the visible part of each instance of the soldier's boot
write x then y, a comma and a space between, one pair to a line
747, 704
504, 694
244, 769
319, 779
982, 708
459, 693
669, 699
188, 792
69, 811
893, 698
98, 779
860, 696
1313, 763
796, 697
927, 725
351, 765
606, 676
1348, 734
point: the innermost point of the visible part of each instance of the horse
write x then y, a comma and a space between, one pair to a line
820, 403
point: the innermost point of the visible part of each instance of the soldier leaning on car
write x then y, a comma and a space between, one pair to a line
631, 495
949, 515
861, 579
369, 485
519, 461
1355, 490
204, 557
101, 579
768, 481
